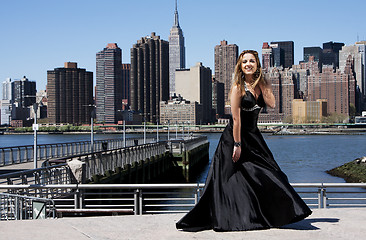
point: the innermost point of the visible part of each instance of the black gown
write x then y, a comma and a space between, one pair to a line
250, 194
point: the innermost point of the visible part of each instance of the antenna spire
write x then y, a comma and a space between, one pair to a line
176, 20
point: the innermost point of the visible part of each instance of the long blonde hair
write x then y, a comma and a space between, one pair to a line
239, 76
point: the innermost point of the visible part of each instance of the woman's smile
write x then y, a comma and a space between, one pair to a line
249, 64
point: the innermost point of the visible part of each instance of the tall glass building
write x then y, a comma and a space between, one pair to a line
109, 84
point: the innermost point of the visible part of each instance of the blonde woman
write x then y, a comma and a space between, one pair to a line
245, 188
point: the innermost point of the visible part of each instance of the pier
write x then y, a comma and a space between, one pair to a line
110, 162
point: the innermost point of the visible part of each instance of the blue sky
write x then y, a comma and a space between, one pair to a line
40, 35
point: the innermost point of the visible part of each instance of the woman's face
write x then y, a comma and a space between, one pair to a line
248, 64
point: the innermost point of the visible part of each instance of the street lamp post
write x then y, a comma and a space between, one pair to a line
35, 128
92, 131
91, 127
188, 128
168, 129
124, 133
176, 129
124, 125
157, 130
144, 130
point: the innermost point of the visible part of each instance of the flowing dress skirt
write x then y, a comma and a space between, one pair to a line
252, 193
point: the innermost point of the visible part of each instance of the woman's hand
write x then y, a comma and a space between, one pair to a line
236, 153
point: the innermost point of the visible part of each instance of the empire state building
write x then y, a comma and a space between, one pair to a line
176, 51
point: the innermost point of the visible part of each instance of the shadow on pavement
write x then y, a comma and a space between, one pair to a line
306, 224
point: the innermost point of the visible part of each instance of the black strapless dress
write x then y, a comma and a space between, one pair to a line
250, 194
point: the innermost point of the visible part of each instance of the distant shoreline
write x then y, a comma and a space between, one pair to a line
282, 131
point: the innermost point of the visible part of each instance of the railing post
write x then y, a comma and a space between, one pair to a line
196, 194
135, 202
19, 160
324, 198
59, 148
51, 151
140, 202
320, 196
38, 152
26, 155
2, 157
81, 198
17, 210
76, 199
11, 156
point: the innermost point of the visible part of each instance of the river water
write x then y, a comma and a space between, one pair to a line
304, 158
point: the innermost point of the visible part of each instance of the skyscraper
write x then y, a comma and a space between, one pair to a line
126, 75
24, 92
335, 86
218, 98
149, 75
357, 53
331, 53
6, 103
277, 56
176, 51
5, 111
70, 92
362, 50
226, 56
288, 90
7, 89
195, 84
109, 84
316, 52
287, 48
267, 58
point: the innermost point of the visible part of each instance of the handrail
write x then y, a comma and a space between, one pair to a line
167, 185
95, 141
30, 171
126, 155
162, 198
22, 154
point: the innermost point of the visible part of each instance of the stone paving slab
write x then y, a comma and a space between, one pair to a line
336, 223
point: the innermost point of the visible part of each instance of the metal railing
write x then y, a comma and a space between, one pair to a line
19, 207
180, 145
23, 154
139, 199
56, 174
97, 163
100, 163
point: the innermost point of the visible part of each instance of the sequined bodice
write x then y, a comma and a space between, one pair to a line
250, 108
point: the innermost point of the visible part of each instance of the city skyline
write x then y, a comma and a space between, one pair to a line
37, 36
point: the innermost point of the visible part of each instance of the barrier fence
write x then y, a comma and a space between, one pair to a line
97, 163
19, 207
141, 199
23, 154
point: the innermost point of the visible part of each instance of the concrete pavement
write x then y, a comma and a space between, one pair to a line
335, 223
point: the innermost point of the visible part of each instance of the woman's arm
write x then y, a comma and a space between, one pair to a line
235, 111
267, 93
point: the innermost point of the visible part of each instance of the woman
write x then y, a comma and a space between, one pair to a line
245, 188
